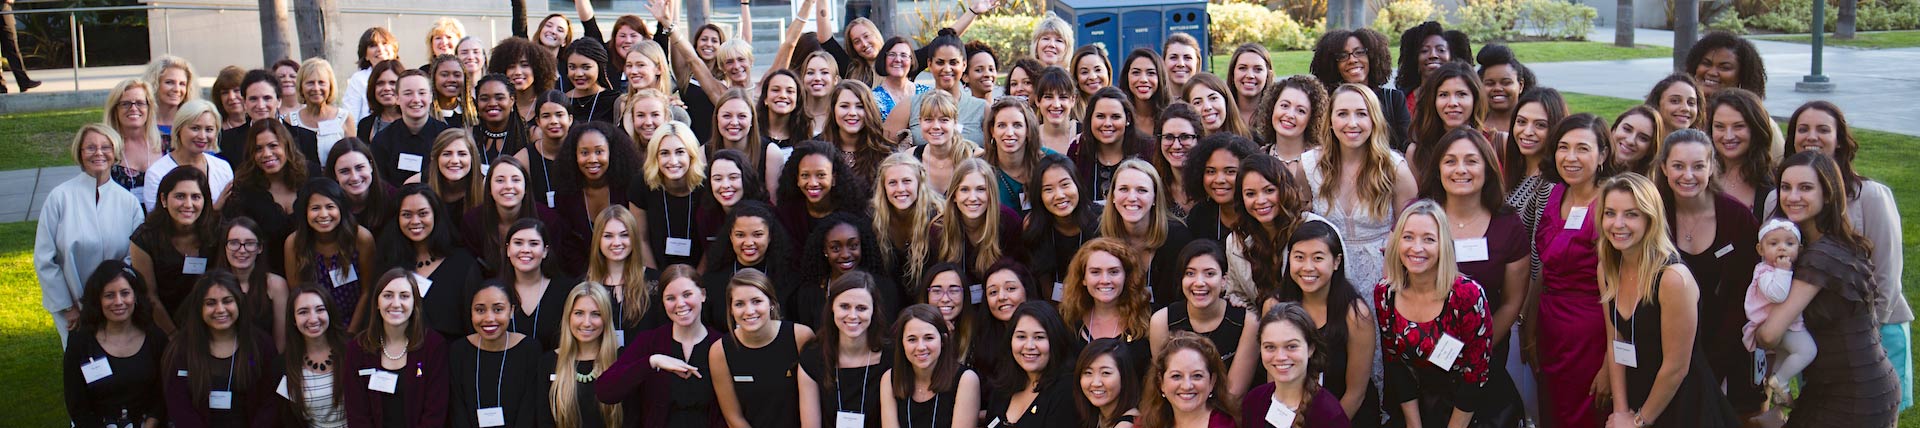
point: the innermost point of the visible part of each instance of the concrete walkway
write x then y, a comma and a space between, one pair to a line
30, 185
1875, 87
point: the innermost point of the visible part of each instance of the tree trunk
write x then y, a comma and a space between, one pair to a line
1686, 29
697, 13
1848, 10
1336, 14
318, 22
883, 15
274, 43
1356, 13
1623, 24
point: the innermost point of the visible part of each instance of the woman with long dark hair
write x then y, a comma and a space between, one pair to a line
1036, 389
756, 359
927, 371
839, 245
535, 281
328, 247
111, 372
1315, 280
1718, 239
1109, 392
420, 241
240, 249
1271, 203
170, 249
1143, 77
266, 183
1451, 98
493, 371
1065, 221
1463, 178
852, 339
351, 165
749, 237
227, 363
815, 183
1741, 129
1107, 140
393, 338
660, 376
1291, 351
1014, 150
505, 202
600, 163
1204, 307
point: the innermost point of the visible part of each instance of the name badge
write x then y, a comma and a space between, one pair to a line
409, 162
977, 292
1575, 218
1100, 203
679, 246
1024, 204
366, 372
1623, 354
1279, 415
549, 199
742, 379
552, 377
425, 284
849, 420
484, 168
491, 417
1723, 251
994, 424
182, 373
382, 381
220, 400
282, 389
343, 276
1059, 291
194, 266
96, 370
1760, 367
620, 336
1446, 351
1470, 250
446, 113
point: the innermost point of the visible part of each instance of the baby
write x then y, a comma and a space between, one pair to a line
1772, 278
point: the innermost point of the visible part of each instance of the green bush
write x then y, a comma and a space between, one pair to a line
1011, 36
1790, 16
1557, 20
1237, 23
1399, 15
1487, 20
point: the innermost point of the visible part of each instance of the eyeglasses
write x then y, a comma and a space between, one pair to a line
1179, 138
239, 245
1343, 56
96, 149
134, 104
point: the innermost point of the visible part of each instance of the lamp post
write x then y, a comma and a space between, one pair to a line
1817, 82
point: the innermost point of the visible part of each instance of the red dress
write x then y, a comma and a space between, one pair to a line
1572, 332
1406, 345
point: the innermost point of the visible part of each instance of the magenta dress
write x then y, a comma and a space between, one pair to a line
1572, 333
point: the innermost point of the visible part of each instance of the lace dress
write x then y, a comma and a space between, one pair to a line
1364, 236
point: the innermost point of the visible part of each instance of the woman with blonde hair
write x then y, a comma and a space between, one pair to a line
643, 111
666, 194
171, 78
130, 114
945, 148
83, 222
1053, 41
443, 38
196, 134
904, 205
585, 353
1361, 202
1106, 296
611, 262
735, 127
1423, 382
1135, 216
975, 229
454, 171
819, 73
318, 92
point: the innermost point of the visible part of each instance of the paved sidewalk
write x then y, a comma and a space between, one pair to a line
29, 185
1875, 87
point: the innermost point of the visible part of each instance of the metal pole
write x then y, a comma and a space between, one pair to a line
73, 34
166, 18
1817, 82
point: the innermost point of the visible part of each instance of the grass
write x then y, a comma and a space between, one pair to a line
1861, 40
1295, 62
33, 140
29, 348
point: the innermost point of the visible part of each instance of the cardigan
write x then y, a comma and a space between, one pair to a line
82, 223
426, 386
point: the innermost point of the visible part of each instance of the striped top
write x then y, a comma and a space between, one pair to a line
327, 412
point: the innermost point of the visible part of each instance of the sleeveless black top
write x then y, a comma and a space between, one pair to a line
1225, 337
764, 377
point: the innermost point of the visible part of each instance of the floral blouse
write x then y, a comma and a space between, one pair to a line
1464, 317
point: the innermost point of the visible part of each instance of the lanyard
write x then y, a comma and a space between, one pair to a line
499, 378
841, 401
666, 212
236, 356
1632, 323
933, 421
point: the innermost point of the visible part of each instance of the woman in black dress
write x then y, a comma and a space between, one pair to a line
111, 370
1652, 335
494, 371
1064, 221
750, 237
926, 374
240, 255
841, 244
1316, 277
759, 358
420, 240
843, 370
534, 281
171, 249
1111, 395
667, 193
1036, 390
1717, 238
662, 372
586, 351
1204, 307
814, 184
1850, 383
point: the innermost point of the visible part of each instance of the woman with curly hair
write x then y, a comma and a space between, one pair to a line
839, 245
528, 67
1362, 57
814, 184
1287, 118
1504, 79
1192, 393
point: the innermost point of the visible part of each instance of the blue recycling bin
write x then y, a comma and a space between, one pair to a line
1122, 25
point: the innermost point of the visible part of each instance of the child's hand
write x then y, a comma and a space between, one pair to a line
1782, 261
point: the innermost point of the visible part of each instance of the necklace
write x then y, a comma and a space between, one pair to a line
493, 135
383, 351
320, 367
423, 264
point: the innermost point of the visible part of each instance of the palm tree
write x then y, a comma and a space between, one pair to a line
317, 21
1686, 29
1623, 24
273, 31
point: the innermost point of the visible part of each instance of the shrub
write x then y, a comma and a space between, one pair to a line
1486, 20
1790, 16
1399, 15
1557, 20
1236, 23
1302, 11
1011, 36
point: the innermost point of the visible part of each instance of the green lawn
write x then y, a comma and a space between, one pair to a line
1286, 63
1862, 40
32, 140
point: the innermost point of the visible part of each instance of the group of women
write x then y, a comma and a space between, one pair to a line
627, 228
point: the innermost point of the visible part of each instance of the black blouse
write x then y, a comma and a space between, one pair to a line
672, 217
857, 388
129, 394
485, 379
548, 313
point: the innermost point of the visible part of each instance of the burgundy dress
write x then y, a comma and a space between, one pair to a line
1573, 332
1323, 411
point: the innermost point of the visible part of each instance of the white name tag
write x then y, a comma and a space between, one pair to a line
977, 292
282, 389
491, 417
849, 420
620, 337
1024, 205
1623, 354
742, 379
1470, 250
220, 400
194, 266
366, 372
1279, 415
549, 198
994, 424
551, 377
96, 369
1723, 251
425, 284
383, 381
1059, 291
1446, 351
1575, 218
409, 162
182, 373
484, 168
679, 246
343, 276
1760, 367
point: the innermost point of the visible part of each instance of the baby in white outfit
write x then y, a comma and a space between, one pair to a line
1772, 279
